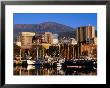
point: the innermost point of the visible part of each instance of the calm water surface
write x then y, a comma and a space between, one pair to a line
34, 70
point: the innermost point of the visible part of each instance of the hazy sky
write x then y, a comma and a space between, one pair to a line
70, 19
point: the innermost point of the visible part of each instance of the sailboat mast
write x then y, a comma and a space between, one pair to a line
37, 52
20, 54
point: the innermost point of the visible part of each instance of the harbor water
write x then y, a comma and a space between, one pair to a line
37, 70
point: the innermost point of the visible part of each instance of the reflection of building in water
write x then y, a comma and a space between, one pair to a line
18, 70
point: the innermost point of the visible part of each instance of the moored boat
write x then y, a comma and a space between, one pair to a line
30, 62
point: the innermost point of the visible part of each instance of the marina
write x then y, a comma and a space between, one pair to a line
39, 70
60, 67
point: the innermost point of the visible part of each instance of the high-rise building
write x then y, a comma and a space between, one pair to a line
55, 39
85, 33
86, 38
48, 37
26, 39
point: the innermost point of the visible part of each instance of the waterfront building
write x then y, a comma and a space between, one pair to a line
34, 40
73, 41
48, 37
86, 41
26, 39
26, 43
37, 39
85, 33
55, 39
89, 50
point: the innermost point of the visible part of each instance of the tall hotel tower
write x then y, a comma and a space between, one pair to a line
85, 33
86, 39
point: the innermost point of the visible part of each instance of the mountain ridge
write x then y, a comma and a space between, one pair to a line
42, 27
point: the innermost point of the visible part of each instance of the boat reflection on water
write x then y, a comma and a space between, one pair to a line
39, 70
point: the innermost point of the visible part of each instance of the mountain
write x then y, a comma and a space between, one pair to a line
42, 27
69, 34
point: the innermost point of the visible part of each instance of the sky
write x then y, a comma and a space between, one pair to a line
70, 19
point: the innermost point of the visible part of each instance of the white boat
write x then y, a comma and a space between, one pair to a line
30, 62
